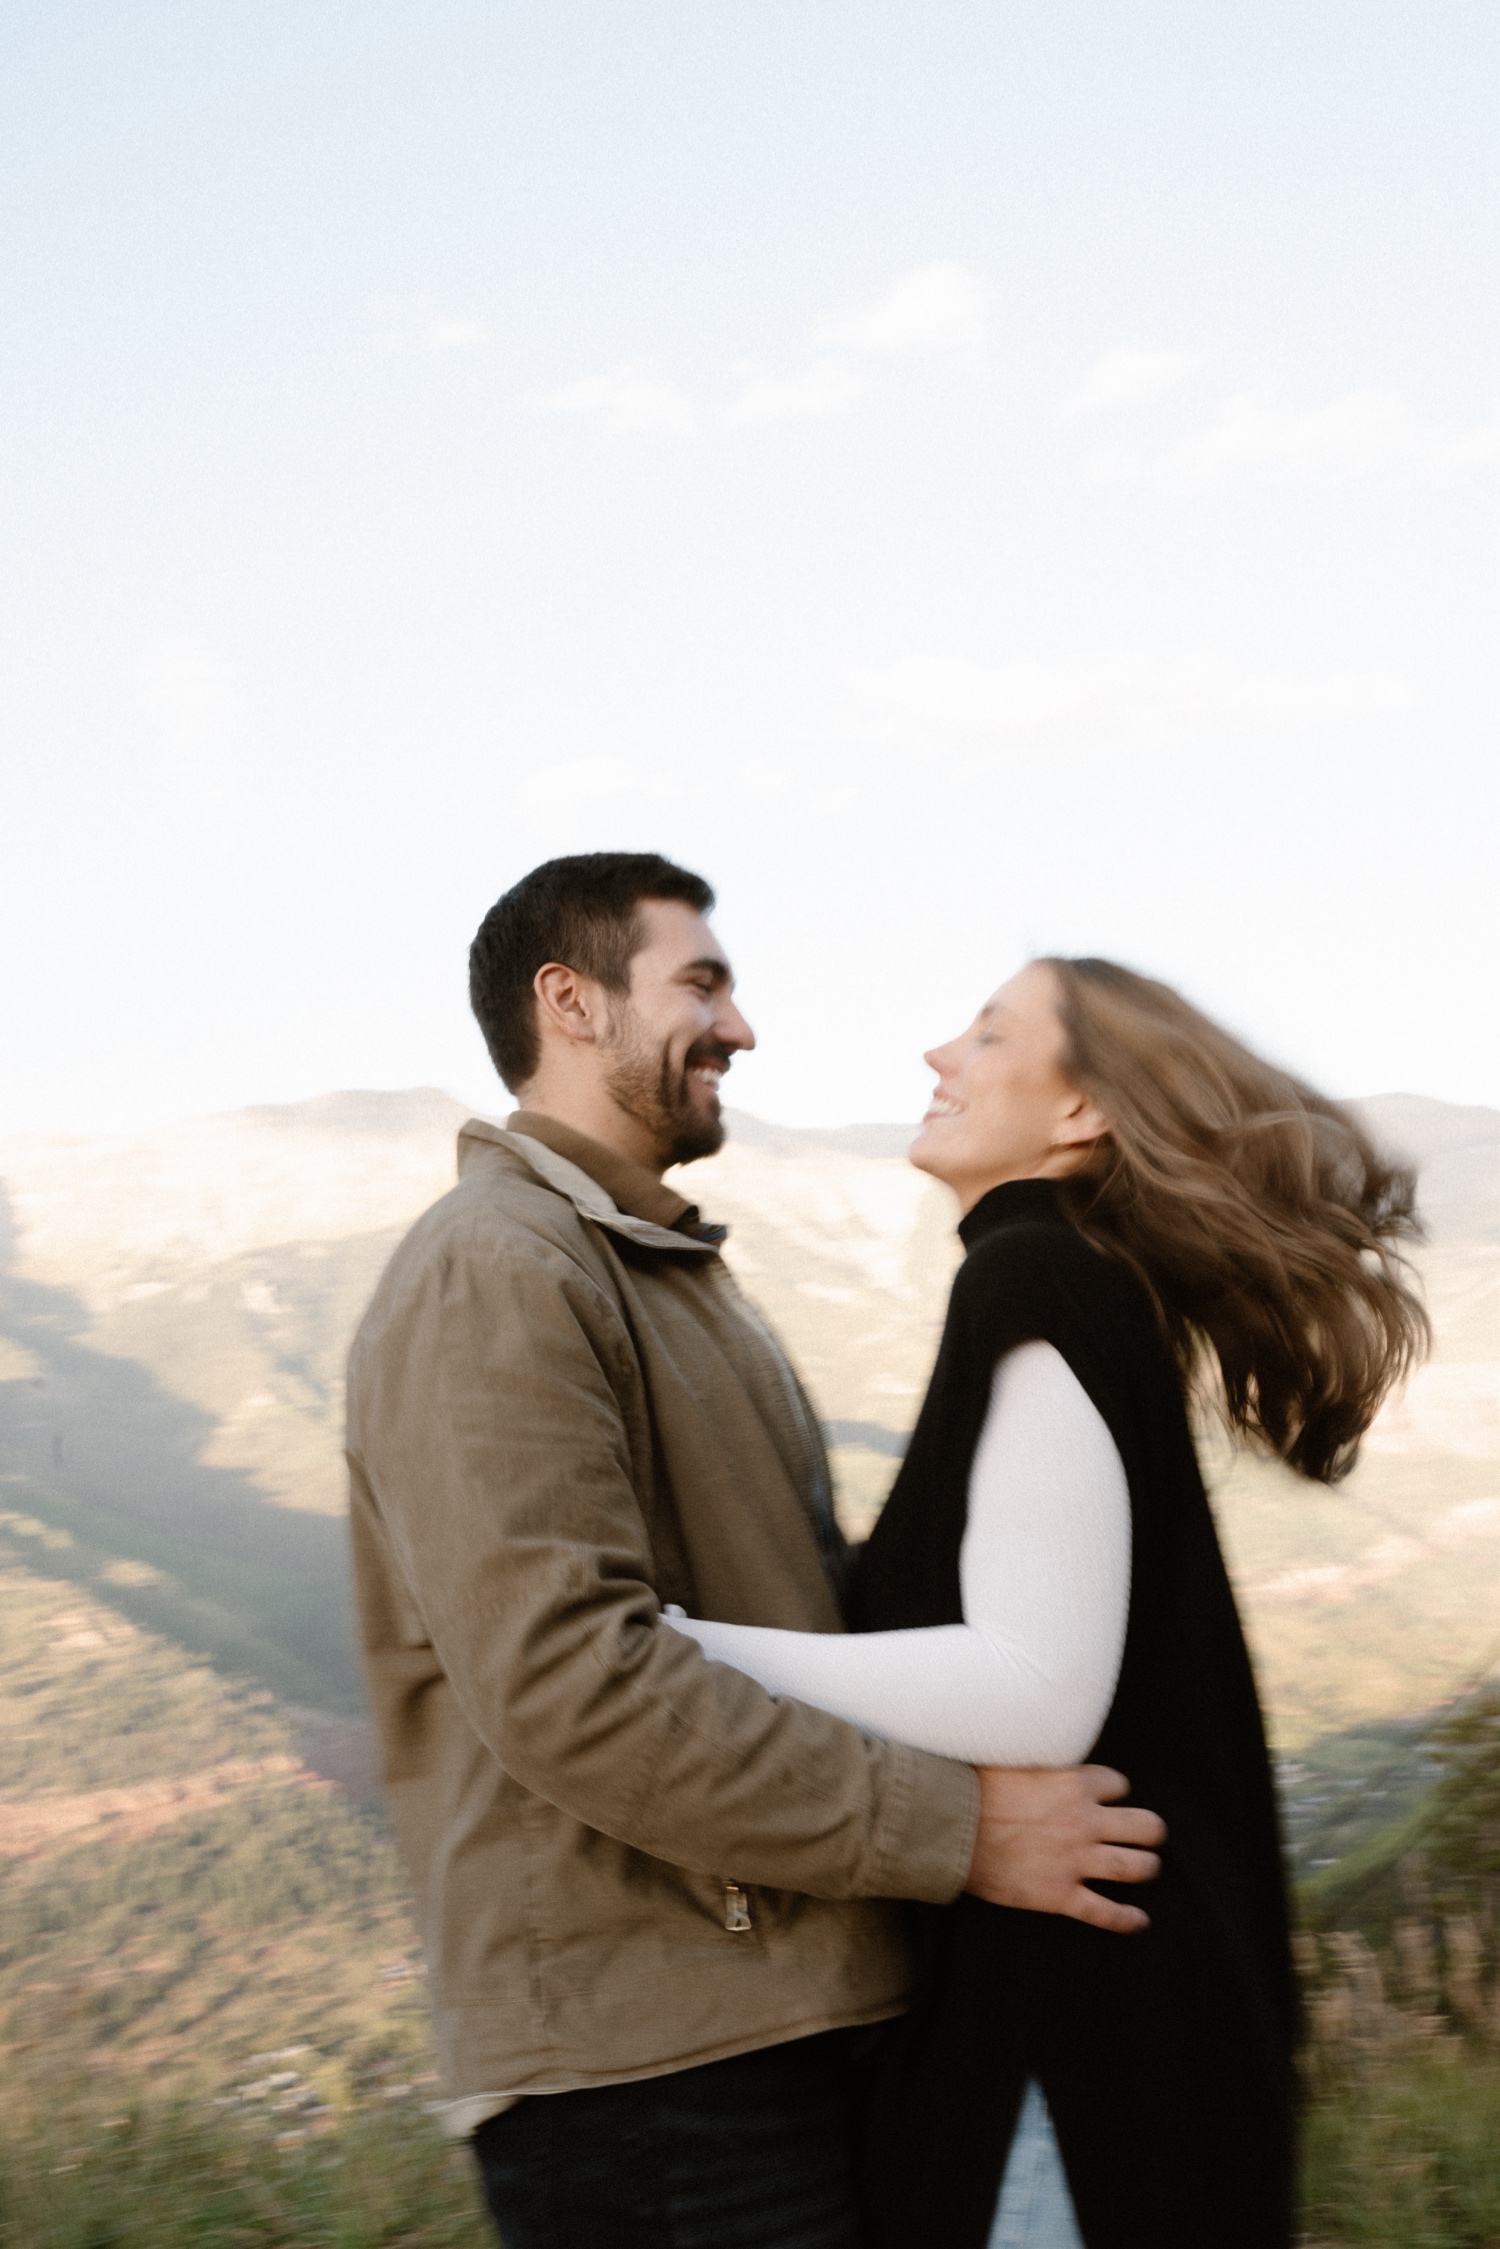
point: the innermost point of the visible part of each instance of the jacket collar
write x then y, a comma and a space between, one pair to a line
586, 1195
1015, 1202
630, 1186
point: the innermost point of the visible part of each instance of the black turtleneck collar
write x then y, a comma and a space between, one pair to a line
1013, 1203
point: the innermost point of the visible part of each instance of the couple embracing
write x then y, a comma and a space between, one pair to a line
776, 1897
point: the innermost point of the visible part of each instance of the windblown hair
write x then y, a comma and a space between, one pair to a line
1261, 1217
584, 912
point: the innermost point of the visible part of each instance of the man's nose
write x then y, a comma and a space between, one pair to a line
731, 1027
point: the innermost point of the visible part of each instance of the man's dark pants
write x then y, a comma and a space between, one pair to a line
757, 2152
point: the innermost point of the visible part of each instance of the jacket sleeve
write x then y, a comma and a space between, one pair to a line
492, 1433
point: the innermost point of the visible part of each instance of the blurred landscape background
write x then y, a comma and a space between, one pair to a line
1009, 477
204, 1928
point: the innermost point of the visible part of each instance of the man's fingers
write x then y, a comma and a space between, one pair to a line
1124, 1823
1110, 1865
1044, 1835
1143, 1831
1105, 1913
1103, 1783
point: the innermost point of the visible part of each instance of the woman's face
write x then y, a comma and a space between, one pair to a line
1003, 1108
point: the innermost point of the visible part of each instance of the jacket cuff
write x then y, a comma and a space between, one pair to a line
924, 1840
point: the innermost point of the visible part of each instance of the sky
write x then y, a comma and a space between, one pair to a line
971, 480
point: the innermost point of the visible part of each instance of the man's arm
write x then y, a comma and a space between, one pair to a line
493, 1469
1026, 1681
497, 1467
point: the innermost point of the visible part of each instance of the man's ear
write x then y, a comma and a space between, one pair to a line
568, 1003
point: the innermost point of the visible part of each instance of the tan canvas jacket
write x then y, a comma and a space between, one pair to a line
562, 1417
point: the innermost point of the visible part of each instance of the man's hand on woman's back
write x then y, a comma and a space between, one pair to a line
1043, 1836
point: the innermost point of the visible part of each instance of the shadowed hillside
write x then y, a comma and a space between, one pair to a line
175, 1311
110, 1475
210, 1986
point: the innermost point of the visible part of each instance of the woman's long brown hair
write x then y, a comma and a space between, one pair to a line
1261, 1217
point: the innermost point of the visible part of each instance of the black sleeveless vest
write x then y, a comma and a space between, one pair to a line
1166, 2058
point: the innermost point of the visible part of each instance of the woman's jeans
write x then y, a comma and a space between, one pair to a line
757, 2152
1035, 2210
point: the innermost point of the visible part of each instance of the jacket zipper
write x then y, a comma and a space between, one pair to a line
736, 1908
824, 1520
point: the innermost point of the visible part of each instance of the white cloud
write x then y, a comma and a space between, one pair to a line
590, 780
452, 335
1124, 377
1361, 432
631, 400
826, 387
1104, 699
938, 312
941, 311
185, 688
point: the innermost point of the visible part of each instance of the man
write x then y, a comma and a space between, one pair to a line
657, 1905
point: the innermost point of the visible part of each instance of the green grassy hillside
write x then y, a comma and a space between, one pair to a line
175, 1311
211, 1994
210, 1987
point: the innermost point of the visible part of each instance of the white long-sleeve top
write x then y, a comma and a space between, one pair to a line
1044, 1570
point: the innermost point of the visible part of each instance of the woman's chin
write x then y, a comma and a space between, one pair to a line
926, 1151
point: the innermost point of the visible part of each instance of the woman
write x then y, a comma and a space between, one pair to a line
1148, 1211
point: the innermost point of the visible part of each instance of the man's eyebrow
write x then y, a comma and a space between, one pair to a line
709, 966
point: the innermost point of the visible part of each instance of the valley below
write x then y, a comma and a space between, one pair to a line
175, 1313
200, 1904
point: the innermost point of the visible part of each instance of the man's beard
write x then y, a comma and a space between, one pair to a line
654, 1090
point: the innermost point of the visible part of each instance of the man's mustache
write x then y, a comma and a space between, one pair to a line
707, 1050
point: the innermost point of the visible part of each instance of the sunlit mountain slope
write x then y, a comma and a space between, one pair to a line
175, 1310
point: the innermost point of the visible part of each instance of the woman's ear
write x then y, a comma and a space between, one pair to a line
1081, 1125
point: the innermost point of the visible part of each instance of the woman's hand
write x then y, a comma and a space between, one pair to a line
1043, 1836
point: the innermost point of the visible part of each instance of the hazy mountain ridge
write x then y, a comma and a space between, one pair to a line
175, 1309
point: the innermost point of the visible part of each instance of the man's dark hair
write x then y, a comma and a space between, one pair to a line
584, 912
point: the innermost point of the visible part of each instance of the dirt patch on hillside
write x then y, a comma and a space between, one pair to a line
37, 1826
